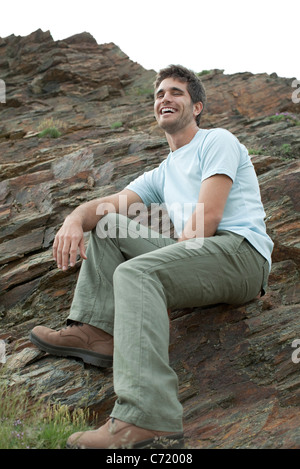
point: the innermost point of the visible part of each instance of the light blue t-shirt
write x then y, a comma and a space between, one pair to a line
177, 181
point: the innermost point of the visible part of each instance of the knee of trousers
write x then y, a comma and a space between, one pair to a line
126, 272
133, 281
133, 271
135, 287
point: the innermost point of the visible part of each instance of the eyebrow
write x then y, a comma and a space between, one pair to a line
174, 88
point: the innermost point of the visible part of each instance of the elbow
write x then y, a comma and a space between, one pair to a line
211, 223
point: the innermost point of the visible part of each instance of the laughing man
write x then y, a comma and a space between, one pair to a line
128, 282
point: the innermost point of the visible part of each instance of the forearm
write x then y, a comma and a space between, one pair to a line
200, 225
84, 218
86, 215
89, 213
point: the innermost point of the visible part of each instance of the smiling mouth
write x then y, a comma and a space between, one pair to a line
167, 110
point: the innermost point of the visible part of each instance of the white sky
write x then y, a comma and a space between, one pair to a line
256, 36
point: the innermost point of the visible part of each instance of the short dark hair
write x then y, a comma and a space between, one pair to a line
194, 84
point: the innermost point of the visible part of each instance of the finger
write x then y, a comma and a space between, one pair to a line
54, 248
73, 251
58, 249
82, 249
65, 252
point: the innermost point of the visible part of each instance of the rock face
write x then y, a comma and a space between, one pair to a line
239, 382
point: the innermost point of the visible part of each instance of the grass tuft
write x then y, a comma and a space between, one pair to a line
27, 423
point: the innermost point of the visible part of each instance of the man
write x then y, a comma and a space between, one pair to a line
131, 276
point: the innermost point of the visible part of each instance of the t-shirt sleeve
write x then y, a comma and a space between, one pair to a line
220, 154
149, 186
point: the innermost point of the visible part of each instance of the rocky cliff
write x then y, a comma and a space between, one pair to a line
239, 385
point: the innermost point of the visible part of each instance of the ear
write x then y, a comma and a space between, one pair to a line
197, 108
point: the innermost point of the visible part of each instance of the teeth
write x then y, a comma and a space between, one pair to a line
167, 109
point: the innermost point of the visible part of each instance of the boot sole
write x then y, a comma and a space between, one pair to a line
175, 441
89, 357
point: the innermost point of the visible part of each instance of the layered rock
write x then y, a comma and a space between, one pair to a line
238, 383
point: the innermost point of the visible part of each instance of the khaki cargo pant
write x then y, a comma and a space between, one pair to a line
125, 287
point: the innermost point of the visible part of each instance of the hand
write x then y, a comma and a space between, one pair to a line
66, 243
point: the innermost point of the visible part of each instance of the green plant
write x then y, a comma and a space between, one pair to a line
286, 148
51, 128
27, 423
292, 119
116, 125
204, 72
258, 151
143, 91
52, 132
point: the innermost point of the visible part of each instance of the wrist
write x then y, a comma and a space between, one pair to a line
74, 218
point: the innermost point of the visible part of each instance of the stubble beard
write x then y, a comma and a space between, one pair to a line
176, 125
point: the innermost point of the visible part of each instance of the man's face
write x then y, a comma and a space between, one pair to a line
173, 107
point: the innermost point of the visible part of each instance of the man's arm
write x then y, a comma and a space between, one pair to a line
84, 218
212, 199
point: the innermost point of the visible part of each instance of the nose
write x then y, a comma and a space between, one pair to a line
166, 98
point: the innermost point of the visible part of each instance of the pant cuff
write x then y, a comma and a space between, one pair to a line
79, 317
128, 414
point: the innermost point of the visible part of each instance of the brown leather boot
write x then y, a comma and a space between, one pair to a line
92, 345
118, 434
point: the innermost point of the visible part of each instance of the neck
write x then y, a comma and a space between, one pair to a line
179, 139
